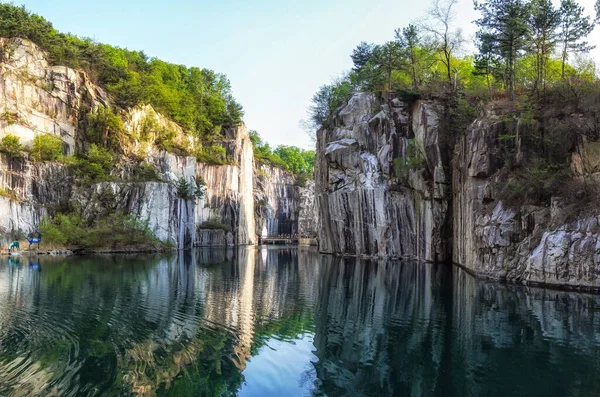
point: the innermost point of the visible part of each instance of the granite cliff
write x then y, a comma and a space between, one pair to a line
37, 98
393, 181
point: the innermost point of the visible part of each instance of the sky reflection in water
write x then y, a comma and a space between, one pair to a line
281, 321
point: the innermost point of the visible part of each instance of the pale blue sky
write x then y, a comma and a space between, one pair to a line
275, 52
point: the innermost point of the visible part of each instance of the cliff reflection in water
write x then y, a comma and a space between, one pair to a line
210, 322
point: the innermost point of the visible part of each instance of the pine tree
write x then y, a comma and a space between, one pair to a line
544, 21
574, 27
507, 22
361, 55
487, 62
387, 58
409, 41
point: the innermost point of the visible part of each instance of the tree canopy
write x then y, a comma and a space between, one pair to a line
200, 100
523, 47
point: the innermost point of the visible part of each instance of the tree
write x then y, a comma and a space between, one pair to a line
410, 42
487, 63
440, 18
506, 21
544, 21
327, 100
574, 27
361, 55
387, 58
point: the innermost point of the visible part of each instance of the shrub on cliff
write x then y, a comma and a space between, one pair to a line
47, 147
11, 145
95, 166
214, 154
115, 231
213, 224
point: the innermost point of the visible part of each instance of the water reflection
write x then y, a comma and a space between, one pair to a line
279, 321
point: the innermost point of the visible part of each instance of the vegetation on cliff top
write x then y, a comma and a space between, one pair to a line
524, 49
530, 69
200, 100
297, 161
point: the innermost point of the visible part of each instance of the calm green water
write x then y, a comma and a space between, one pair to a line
286, 322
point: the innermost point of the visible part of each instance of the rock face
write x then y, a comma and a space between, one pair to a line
523, 243
37, 98
390, 182
371, 205
276, 201
229, 197
308, 213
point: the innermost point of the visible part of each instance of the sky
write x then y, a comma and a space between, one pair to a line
276, 53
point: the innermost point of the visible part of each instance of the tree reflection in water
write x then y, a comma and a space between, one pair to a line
285, 321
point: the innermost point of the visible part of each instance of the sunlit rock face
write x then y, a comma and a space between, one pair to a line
520, 242
229, 195
368, 204
39, 98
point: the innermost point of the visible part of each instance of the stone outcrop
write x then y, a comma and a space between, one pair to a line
308, 213
390, 182
371, 205
38, 98
229, 195
276, 199
523, 243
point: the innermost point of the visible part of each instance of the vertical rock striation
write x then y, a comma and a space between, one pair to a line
369, 204
276, 201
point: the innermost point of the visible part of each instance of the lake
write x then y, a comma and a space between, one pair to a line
285, 321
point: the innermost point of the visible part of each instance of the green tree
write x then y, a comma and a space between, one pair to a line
47, 147
574, 28
487, 62
361, 55
11, 145
506, 21
410, 42
544, 21
387, 58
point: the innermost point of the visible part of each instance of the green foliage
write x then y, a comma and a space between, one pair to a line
297, 160
214, 224
214, 154
199, 187
10, 118
8, 193
184, 189
536, 183
413, 159
95, 166
190, 190
104, 128
146, 172
115, 231
327, 100
198, 99
11, 145
47, 147
291, 158
575, 26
